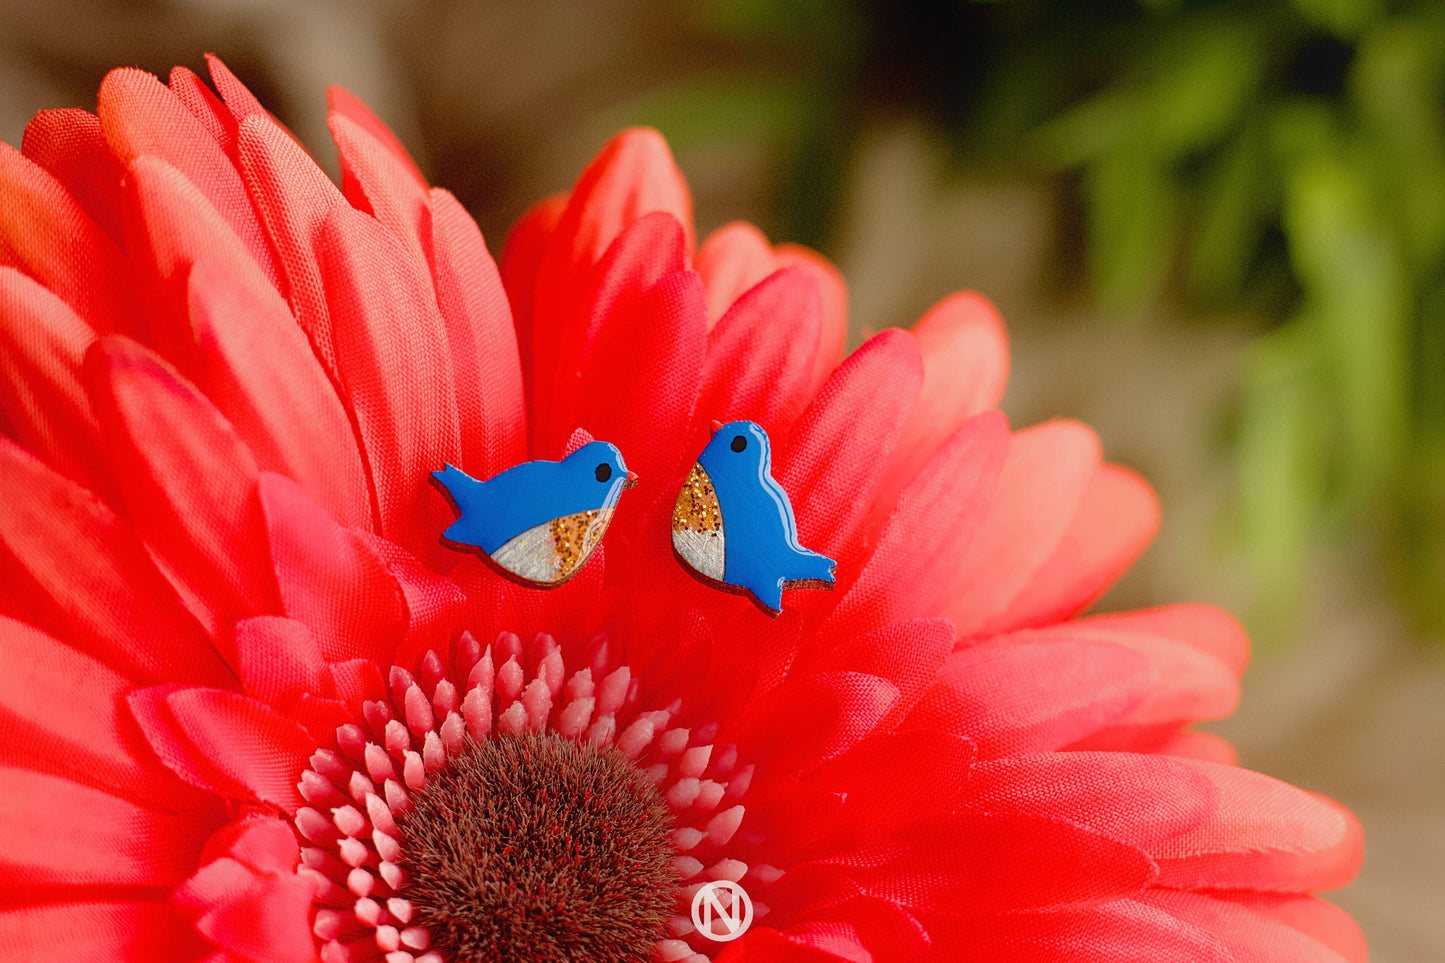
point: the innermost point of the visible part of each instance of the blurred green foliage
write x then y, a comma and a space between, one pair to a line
1284, 159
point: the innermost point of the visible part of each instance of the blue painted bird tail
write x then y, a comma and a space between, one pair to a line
461, 489
811, 567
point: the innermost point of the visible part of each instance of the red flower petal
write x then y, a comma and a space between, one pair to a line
344, 104
380, 181
69, 143
253, 361
81, 574
908, 654
1124, 931
130, 930
205, 106
1029, 697
58, 832
892, 778
1211, 630
1117, 518
731, 261
1250, 936
1043, 480
834, 334
329, 578
241, 746
46, 234
481, 340
564, 341
760, 355
965, 365
42, 346
400, 386
1323, 922
65, 714
188, 481
862, 407
143, 117
1140, 800
278, 661
294, 198
976, 864
522, 255
1263, 835
269, 923
827, 713
930, 532
239, 100
641, 383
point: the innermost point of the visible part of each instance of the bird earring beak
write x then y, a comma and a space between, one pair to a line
716, 426
631, 481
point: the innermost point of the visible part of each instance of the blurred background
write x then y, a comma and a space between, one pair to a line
1216, 230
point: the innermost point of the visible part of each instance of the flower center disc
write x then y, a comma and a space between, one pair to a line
538, 847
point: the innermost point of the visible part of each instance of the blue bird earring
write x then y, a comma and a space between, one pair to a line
733, 526
537, 523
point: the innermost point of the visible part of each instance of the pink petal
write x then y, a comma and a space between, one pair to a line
239, 100
188, 481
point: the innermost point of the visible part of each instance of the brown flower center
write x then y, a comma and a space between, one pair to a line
538, 847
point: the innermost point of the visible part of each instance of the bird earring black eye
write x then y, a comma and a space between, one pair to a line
739, 443
604, 472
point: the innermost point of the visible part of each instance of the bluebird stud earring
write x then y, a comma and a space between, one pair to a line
537, 523
733, 526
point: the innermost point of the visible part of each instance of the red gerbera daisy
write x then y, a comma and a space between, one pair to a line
252, 711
